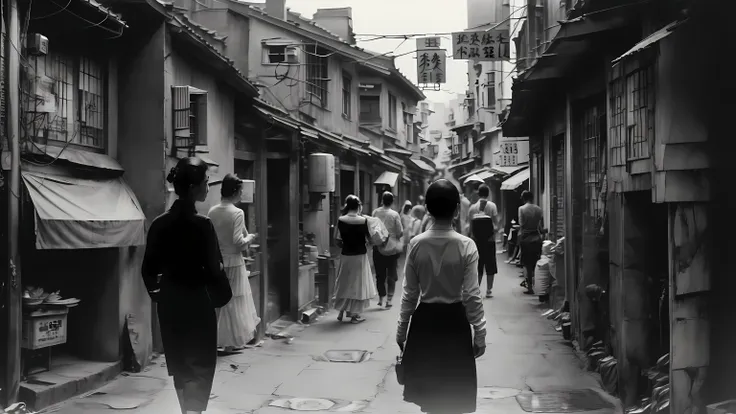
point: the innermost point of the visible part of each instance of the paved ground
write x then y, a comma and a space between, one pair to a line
525, 356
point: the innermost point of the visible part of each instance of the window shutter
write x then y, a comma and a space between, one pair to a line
202, 119
180, 115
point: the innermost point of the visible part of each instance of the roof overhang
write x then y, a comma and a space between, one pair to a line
650, 40
576, 38
199, 49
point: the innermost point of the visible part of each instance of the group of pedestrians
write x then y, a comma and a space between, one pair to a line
355, 287
193, 267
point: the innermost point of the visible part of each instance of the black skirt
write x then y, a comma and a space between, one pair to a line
531, 248
439, 363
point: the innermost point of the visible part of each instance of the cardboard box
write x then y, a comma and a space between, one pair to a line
42, 329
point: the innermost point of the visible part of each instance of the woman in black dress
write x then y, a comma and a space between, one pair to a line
183, 272
441, 274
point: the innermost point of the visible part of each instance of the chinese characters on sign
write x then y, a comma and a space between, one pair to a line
431, 61
509, 155
481, 46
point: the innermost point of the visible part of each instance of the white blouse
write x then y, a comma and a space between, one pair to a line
442, 267
229, 223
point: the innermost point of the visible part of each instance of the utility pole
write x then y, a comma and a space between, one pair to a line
13, 285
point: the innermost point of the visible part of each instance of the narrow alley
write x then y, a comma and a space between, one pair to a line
528, 367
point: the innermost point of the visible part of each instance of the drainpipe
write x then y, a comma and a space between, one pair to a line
12, 372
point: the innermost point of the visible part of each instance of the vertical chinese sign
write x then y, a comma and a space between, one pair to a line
431, 61
491, 45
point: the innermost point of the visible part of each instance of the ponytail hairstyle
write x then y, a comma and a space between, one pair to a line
352, 203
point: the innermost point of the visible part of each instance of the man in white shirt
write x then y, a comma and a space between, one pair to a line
386, 264
483, 224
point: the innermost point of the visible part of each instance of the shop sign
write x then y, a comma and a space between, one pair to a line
41, 332
509, 155
431, 61
480, 46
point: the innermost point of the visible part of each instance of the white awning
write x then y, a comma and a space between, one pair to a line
484, 175
508, 170
387, 178
473, 178
516, 181
422, 165
76, 213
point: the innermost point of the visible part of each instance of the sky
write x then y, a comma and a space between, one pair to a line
383, 17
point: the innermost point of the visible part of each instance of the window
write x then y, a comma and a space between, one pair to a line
639, 113
491, 90
317, 74
79, 114
370, 108
190, 119
632, 115
274, 54
347, 96
392, 112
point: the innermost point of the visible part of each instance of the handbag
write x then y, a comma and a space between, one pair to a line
393, 246
400, 369
219, 289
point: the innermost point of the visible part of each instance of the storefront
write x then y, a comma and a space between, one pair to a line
81, 228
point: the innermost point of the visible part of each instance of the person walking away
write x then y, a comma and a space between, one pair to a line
184, 273
385, 258
418, 214
237, 321
461, 222
483, 218
439, 349
531, 222
407, 220
354, 287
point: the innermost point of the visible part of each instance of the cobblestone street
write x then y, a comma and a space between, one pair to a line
526, 364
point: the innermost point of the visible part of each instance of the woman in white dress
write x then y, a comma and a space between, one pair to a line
355, 286
238, 320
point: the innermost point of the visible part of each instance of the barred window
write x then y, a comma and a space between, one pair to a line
76, 114
617, 106
317, 74
639, 113
591, 122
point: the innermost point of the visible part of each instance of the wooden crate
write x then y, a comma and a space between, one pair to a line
44, 328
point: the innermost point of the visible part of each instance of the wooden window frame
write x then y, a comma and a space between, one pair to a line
317, 76
392, 111
347, 96
189, 117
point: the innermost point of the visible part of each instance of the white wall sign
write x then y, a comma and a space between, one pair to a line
480, 46
431, 66
512, 153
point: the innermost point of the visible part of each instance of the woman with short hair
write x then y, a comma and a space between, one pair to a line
238, 320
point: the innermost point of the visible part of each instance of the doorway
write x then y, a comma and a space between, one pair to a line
279, 281
347, 184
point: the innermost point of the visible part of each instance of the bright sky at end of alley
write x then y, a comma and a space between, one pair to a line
399, 17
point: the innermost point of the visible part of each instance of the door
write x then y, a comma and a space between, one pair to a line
279, 283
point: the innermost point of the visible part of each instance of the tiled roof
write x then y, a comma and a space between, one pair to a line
106, 11
204, 36
387, 61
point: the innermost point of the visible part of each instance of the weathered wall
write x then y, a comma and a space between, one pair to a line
220, 119
141, 148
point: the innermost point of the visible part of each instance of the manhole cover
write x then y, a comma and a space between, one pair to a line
304, 404
497, 393
349, 355
562, 401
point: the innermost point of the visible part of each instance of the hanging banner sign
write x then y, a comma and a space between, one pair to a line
431, 66
480, 46
428, 43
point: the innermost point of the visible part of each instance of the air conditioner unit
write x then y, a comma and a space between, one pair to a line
292, 55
